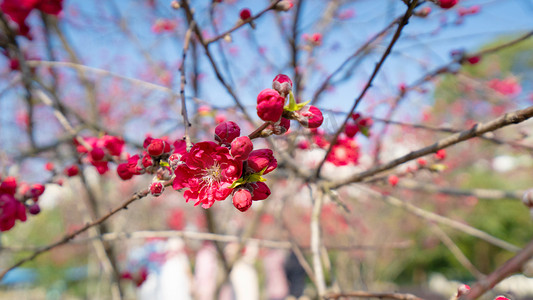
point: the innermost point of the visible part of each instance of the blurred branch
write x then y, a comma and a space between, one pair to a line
395, 38
454, 249
513, 265
139, 195
364, 294
316, 242
186, 122
241, 23
442, 220
477, 130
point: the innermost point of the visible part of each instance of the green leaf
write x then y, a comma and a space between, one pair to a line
293, 106
365, 131
237, 182
164, 164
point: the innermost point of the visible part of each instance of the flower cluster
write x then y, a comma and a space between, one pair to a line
212, 171
507, 87
19, 10
15, 199
102, 150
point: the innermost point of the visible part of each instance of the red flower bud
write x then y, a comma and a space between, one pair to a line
113, 144
282, 84
147, 161
260, 159
71, 171
241, 147
174, 160
441, 154
133, 165
124, 172
9, 186
422, 162
157, 188
226, 132
242, 199
260, 191
147, 141
34, 209
310, 117
245, 14
393, 180
270, 105
448, 3
97, 154
351, 129
36, 190
473, 60
49, 166
157, 147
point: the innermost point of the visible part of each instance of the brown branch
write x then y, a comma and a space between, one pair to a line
513, 265
395, 38
363, 294
477, 130
242, 23
139, 195
186, 122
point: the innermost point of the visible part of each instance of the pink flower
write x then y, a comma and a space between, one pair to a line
270, 105
245, 14
241, 148
282, 84
242, 199
10, 211
97, 154
508, 86
261, 159
226, 132
448, 3
344, 152
260, 190
310, 117
113, 144
208, 172
157, 188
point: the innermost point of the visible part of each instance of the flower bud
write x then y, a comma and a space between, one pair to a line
448, 3
226, 132
422, 162
260, 191
351, 129
310, 117
270, 105
242, 199
71, 171
158, 147
245, 14
147, 161
97, 154
174, 160
423, 12
527, 199
147, 141
157, 188
49, 166
282, 84
124, 172
284, 5
241, 147
8, 186
473, 59
393, 180
440, 155
261, 159
34, 209
462, 290
36, 190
